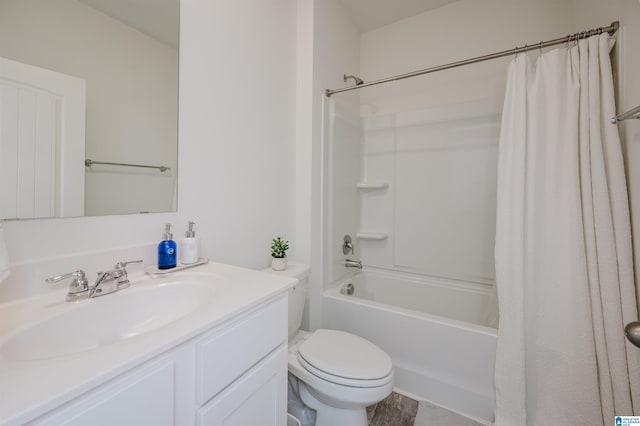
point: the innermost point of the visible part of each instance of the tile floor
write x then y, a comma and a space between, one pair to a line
430, 415
399, 410
396, 410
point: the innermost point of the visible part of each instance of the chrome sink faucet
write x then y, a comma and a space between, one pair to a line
107, 282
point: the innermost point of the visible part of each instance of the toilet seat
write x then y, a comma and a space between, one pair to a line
345, 359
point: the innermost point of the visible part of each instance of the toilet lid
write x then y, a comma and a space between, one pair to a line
344, 355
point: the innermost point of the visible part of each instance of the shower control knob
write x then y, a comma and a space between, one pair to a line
347, 245
632, 331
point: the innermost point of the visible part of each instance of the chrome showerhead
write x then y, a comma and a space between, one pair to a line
358, 80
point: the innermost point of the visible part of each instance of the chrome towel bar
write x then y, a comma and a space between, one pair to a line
88, 163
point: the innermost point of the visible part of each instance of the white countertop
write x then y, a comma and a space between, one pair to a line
31, 388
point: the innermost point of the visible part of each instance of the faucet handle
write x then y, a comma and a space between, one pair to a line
122, 265
77, 275
79, 283
347, 245
123, 279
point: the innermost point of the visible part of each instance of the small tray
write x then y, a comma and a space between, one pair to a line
153, 270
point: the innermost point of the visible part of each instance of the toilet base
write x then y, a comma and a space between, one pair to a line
327, 415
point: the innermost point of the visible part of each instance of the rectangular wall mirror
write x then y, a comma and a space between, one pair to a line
88, 107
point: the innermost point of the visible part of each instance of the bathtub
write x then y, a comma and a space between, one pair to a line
436, 332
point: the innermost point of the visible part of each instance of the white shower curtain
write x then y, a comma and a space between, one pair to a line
564, 267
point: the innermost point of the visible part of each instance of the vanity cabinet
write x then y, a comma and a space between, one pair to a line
232, 374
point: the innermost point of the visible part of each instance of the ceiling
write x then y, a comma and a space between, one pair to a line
156, 18
368, 15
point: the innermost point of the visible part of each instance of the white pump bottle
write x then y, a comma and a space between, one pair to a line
189, 246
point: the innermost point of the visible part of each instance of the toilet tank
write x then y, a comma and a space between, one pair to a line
297, 295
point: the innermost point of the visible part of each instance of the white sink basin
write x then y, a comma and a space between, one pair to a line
106, 320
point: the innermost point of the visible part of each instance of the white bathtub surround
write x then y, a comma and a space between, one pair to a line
344, 161
430, 329
435, 163
563, 245
4, 257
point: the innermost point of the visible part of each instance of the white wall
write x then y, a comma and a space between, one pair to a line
236, 148
328, 44
457, 31
237, 126
132, 95
336, 52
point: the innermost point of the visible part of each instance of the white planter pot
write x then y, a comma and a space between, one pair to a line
278, 264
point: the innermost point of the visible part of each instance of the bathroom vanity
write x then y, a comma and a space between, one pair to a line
206, 346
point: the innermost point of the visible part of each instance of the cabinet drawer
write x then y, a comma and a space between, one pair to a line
142, 398
225, 355
259, 397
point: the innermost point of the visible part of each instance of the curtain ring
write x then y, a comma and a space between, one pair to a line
568, 42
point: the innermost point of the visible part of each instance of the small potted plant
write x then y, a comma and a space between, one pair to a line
279, 249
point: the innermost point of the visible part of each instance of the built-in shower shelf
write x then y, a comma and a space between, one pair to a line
373, 236
371, 186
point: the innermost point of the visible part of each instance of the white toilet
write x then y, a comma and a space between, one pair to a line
339, 374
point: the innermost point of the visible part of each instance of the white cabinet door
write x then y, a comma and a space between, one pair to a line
42, 136
142, 398
258, 398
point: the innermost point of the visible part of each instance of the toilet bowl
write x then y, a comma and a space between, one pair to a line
338, 374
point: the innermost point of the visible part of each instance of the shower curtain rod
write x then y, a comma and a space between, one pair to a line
611, 29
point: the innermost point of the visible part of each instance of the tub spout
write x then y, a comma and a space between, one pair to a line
353, 263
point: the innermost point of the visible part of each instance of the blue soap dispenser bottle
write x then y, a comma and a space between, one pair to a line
167, 250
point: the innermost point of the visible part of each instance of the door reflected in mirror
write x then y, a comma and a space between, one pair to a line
89, 80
